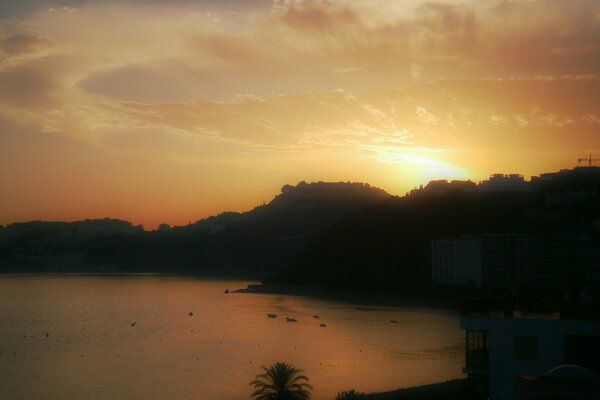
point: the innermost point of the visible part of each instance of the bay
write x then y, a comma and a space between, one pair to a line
133, 337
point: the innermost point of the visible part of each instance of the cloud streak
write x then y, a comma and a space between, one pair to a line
437, 115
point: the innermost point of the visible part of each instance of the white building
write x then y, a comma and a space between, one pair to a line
501, 349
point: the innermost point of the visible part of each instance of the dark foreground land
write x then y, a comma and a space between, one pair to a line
456, 389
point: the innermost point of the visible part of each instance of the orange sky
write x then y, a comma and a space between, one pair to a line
169, 111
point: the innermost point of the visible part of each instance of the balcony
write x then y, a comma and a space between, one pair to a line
477, 352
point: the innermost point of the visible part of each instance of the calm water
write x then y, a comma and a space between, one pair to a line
94, 352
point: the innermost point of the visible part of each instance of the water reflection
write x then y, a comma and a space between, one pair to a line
148, 337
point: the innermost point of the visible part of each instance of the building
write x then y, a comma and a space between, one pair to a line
442, 187
570, 198
456, 262
509, 353
510, 183
504, 257
513, 262
554, 263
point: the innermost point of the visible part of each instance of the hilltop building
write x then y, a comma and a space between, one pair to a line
507, 183
512, 183
565, 187
442, 186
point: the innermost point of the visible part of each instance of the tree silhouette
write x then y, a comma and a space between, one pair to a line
281, 381
350, 395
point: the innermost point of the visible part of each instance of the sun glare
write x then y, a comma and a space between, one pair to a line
423, 167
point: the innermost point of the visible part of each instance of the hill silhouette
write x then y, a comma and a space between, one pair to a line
260, 241
388, 245
348, 235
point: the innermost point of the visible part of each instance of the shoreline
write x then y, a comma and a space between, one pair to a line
403, 297
118, 274
386, 299
455, 389
88, 274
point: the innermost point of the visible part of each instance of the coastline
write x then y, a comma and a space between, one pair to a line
383, 298
455, 389
87, 274
117, 274
403, 296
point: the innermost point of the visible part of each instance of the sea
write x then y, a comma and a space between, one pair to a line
146, 337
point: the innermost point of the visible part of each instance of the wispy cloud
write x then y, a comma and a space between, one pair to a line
437, 115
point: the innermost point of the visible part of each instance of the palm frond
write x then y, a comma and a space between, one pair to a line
281, 381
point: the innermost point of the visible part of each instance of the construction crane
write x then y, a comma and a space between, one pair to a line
590, 160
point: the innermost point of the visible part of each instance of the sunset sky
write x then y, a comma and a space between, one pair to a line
172, 110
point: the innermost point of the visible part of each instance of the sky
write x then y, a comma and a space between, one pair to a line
173, 110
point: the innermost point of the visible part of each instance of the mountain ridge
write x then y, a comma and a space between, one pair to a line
260, 240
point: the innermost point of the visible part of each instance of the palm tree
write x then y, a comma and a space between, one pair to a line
350, 395
281, 381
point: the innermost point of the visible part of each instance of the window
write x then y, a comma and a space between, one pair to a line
526, 347
477, 350
477, 340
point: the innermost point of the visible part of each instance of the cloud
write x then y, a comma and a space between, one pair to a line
189, 51
318, 18
22, 43
11, 9
361, 78
468, 115
445, 40
151, 83
29, 87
